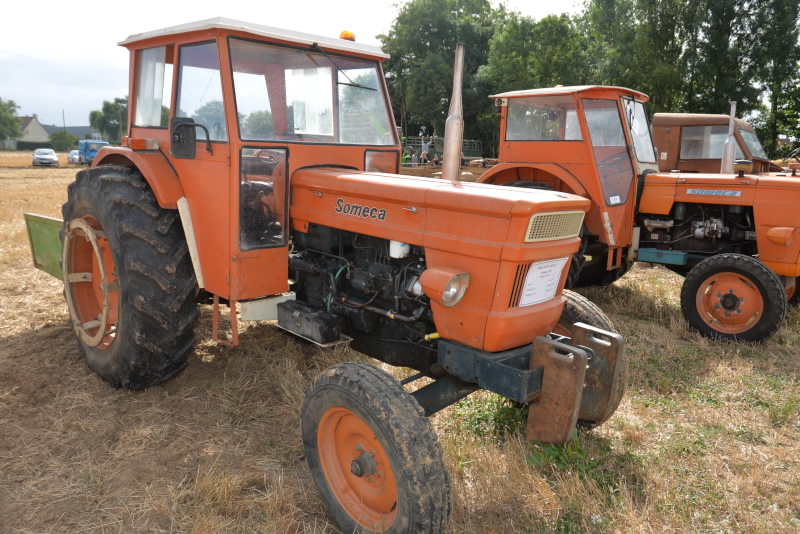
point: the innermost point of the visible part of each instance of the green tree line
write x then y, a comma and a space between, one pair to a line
687, 55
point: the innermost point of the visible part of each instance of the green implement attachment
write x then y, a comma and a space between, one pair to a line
45, 239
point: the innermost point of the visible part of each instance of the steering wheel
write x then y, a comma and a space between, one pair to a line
794, 154
265, 157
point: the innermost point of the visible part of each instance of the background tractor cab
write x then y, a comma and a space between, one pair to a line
692, 142
592, 141
735, 237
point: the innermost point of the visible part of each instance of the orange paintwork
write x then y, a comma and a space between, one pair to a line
468, 227
570, 166
473, 228
154, 166
567, 165
211, 182
667, 129
372, 500
774, 200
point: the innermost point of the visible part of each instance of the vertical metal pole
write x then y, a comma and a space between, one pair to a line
454, 125
729, 148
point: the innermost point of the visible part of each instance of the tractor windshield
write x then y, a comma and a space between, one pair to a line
551, 118
306, 95
640, 131
753, 144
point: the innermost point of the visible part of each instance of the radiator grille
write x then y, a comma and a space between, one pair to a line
519, 285
554, 225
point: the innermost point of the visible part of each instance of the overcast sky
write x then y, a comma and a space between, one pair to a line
61, 60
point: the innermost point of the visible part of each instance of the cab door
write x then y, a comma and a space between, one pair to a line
204, 168
614, 168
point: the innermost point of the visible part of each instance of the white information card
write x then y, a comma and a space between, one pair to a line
542, 281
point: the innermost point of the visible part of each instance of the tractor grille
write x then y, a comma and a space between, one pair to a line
554, 225
519, 285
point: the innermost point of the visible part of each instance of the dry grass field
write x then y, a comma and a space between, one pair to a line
706, 439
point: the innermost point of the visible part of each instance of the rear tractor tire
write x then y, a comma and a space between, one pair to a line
594, 272
733, 296
128, 278
579, 309
372, 453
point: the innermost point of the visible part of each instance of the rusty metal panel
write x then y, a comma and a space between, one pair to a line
603, 374
553, 416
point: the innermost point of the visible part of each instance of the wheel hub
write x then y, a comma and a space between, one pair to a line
357, 468
729, 302
363, 465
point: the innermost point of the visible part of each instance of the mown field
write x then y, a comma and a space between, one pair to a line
706, 438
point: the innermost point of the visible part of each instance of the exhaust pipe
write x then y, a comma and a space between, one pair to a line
729, 148
454, 125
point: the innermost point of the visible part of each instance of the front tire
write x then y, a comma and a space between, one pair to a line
733, 296
129, 282
372, 453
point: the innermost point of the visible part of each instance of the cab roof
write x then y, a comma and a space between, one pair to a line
572, 89
258, 30
697, 119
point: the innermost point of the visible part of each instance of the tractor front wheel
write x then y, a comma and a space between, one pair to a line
607, 385
128, 279
372, 453
733, 296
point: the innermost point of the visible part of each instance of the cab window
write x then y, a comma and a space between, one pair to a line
200, 90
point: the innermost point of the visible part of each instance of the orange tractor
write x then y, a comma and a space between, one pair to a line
261, 166
694, 142
734, 237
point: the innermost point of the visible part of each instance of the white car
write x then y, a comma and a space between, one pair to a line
45, 156
73, 157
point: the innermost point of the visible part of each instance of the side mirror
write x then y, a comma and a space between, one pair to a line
183, 137
497, 106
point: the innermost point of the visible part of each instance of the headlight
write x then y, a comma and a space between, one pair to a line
446, 286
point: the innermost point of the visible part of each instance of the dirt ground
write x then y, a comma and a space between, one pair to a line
705, 439
206, 452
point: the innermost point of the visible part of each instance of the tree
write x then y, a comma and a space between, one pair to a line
9, 123
526, 54
777, 58
610, 28
112, 121
422, 45
62, 140
724, 68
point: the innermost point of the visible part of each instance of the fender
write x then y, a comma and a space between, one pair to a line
494, 174
154, 166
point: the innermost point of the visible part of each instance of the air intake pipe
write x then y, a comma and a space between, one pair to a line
454, 125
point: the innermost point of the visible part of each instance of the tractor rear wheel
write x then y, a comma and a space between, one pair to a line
128, 278
594, 272
372, 453
579, 309
733, 296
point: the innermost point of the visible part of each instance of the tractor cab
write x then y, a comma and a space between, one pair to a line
225, 112
593, 141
